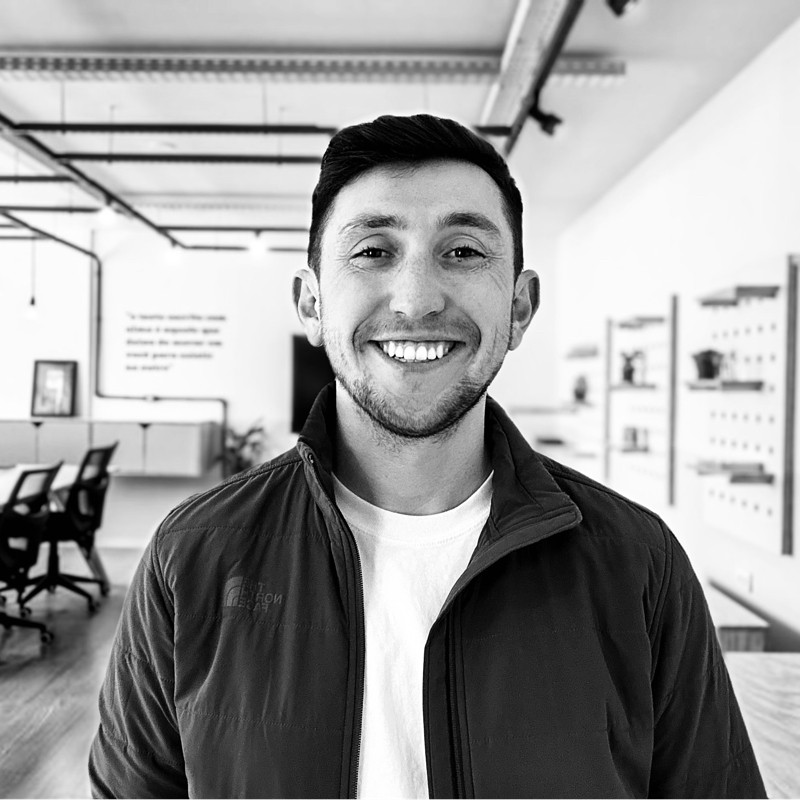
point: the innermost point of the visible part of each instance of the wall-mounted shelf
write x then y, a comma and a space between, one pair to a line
635, 323
734, 295
639, 424
584, 351
737, 472
717, 385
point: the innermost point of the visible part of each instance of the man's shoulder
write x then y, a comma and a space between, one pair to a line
239, 501
606, 513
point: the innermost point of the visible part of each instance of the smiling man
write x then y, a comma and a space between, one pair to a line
411, 602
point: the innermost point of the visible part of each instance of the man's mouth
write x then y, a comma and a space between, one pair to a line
409, 352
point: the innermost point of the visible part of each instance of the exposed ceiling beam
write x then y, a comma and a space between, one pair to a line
536, 36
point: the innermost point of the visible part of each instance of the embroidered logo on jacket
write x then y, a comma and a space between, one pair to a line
241, 592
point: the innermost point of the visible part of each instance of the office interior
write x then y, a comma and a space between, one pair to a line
156, 168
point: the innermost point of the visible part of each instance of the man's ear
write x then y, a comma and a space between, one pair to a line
305, 295
524, 306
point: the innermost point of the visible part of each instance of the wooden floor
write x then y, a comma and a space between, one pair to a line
767, 686
48, 695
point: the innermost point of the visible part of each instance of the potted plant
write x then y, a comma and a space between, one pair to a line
243, 450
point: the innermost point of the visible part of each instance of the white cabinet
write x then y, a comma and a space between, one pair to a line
177, 449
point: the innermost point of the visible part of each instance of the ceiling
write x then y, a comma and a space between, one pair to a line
325, 64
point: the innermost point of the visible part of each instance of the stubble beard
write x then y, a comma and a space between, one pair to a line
390, 423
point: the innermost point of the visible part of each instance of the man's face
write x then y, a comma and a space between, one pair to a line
416, 303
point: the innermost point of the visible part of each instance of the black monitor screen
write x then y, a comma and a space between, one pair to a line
311, 371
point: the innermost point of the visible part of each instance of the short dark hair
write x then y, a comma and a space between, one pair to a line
406, 141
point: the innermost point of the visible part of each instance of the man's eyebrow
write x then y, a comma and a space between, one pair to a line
373, 221
469, 219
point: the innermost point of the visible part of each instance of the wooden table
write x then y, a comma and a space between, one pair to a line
738, 628
65, 477
767, 686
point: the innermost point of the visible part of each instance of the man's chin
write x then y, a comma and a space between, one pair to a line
412, 424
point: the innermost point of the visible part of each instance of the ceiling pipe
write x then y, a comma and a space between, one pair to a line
34, 179
175, 128
236, 228
52, 209
44, 155
187, 158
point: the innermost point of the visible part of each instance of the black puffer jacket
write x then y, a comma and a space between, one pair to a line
574, 657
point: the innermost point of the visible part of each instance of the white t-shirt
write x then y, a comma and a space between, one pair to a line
409, 564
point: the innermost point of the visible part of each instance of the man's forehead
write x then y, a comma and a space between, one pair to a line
450, 192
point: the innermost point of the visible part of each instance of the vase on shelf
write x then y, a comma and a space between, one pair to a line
709, 364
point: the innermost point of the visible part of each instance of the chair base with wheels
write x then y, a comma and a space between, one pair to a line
7, 621
54, 578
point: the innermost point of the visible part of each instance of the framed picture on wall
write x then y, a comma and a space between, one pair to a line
54, 386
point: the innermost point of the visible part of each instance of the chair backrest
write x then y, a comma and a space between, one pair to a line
31, 491
23, 521
86, 498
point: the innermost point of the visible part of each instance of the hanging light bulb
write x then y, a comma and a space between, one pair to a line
257, 248
107, 216
32, 313
174, 255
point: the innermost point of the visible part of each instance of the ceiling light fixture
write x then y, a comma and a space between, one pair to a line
256, 248
547, 122
619, 7
107, 216
174, 255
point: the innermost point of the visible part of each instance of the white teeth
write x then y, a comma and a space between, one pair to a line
416, 351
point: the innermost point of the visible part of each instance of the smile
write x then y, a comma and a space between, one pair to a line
411, 352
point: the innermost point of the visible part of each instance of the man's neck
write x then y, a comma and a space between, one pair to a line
409, 476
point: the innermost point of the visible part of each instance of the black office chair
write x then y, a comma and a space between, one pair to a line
77, 520
23, 524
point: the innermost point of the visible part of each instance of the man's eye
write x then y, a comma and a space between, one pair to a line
465, 252
370, 252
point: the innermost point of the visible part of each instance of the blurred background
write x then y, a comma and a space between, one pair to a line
156, 166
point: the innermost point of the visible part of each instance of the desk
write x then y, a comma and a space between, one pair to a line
738, 628
767, 686
65, 477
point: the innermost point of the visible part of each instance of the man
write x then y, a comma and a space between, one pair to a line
412, 602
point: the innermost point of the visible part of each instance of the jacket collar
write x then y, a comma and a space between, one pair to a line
524, 492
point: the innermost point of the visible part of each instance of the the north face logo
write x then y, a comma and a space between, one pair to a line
241, 592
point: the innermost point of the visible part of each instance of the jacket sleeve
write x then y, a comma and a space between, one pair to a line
137, 749
701, 747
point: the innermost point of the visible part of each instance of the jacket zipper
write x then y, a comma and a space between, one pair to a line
458, 759
458, 753
358, 717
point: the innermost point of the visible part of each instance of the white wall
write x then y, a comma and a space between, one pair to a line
716, 204
252, 369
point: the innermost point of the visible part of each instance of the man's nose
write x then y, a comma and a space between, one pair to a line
416, 289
